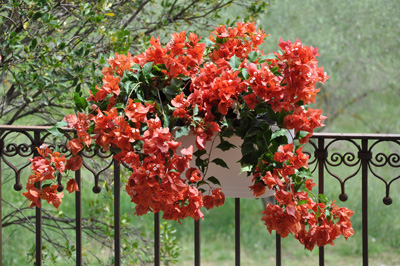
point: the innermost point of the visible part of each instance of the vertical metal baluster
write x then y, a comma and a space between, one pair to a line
38, 211
278, 249
1, 217
197, 242
78, 219
365, 156
237, 231
278, 246
157, 243
321, 160
117, 213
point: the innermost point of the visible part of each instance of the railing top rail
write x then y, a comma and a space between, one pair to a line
19, 128
356, 136
30, 128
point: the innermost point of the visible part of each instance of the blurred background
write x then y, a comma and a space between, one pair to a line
49, 49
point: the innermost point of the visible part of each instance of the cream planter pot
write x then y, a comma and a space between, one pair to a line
233, 184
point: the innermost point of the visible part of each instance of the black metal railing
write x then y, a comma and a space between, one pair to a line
324, 155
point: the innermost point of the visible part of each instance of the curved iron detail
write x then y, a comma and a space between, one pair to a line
312, 159
338, 158
381, 160
13, 149
90, 153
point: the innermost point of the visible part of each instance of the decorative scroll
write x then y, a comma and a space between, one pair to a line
380, 160
24, 150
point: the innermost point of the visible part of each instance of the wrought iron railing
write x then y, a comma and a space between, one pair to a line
323, 158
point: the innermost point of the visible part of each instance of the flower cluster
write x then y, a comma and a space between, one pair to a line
221, 86
296, 212
45, 167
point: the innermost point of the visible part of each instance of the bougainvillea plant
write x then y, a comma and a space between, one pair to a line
216, 87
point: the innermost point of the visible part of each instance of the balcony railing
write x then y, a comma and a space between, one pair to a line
361, 155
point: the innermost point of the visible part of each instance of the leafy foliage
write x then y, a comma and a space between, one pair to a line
51, 49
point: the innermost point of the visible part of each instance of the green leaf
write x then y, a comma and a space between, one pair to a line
322, 198
278, 133
220, 162
138, 146
56, 129
62, 123
62, 46
304, 173
301, 134
33, 44
214, 180
45, 100
37, 15
208, 42
247, 146
253, 55
166, 120
160, 67
227, 132
268, 56
119, 106
225, 145
245, 74
55, 132
102, 60
195, 110
318, 214
200, 183
245, 168
147, 70
301, 202
234, 62
220, 40
201, 164
328, 214
80, 102
274, 70
182, 131
199, 153
171, 91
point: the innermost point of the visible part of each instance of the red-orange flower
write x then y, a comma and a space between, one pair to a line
72, 186
74, 163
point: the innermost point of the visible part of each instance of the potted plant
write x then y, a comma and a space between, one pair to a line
166, 110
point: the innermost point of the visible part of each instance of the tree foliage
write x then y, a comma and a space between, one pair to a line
359, 43
49, 49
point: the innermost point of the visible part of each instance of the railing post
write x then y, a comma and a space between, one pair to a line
1, 216
157, 243
321, 154
78, 219
117, 213
237, 231
38, 211
197, 242
365, 156
278, 249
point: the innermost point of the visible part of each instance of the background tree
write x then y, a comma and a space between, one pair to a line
359, 46
49, 49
